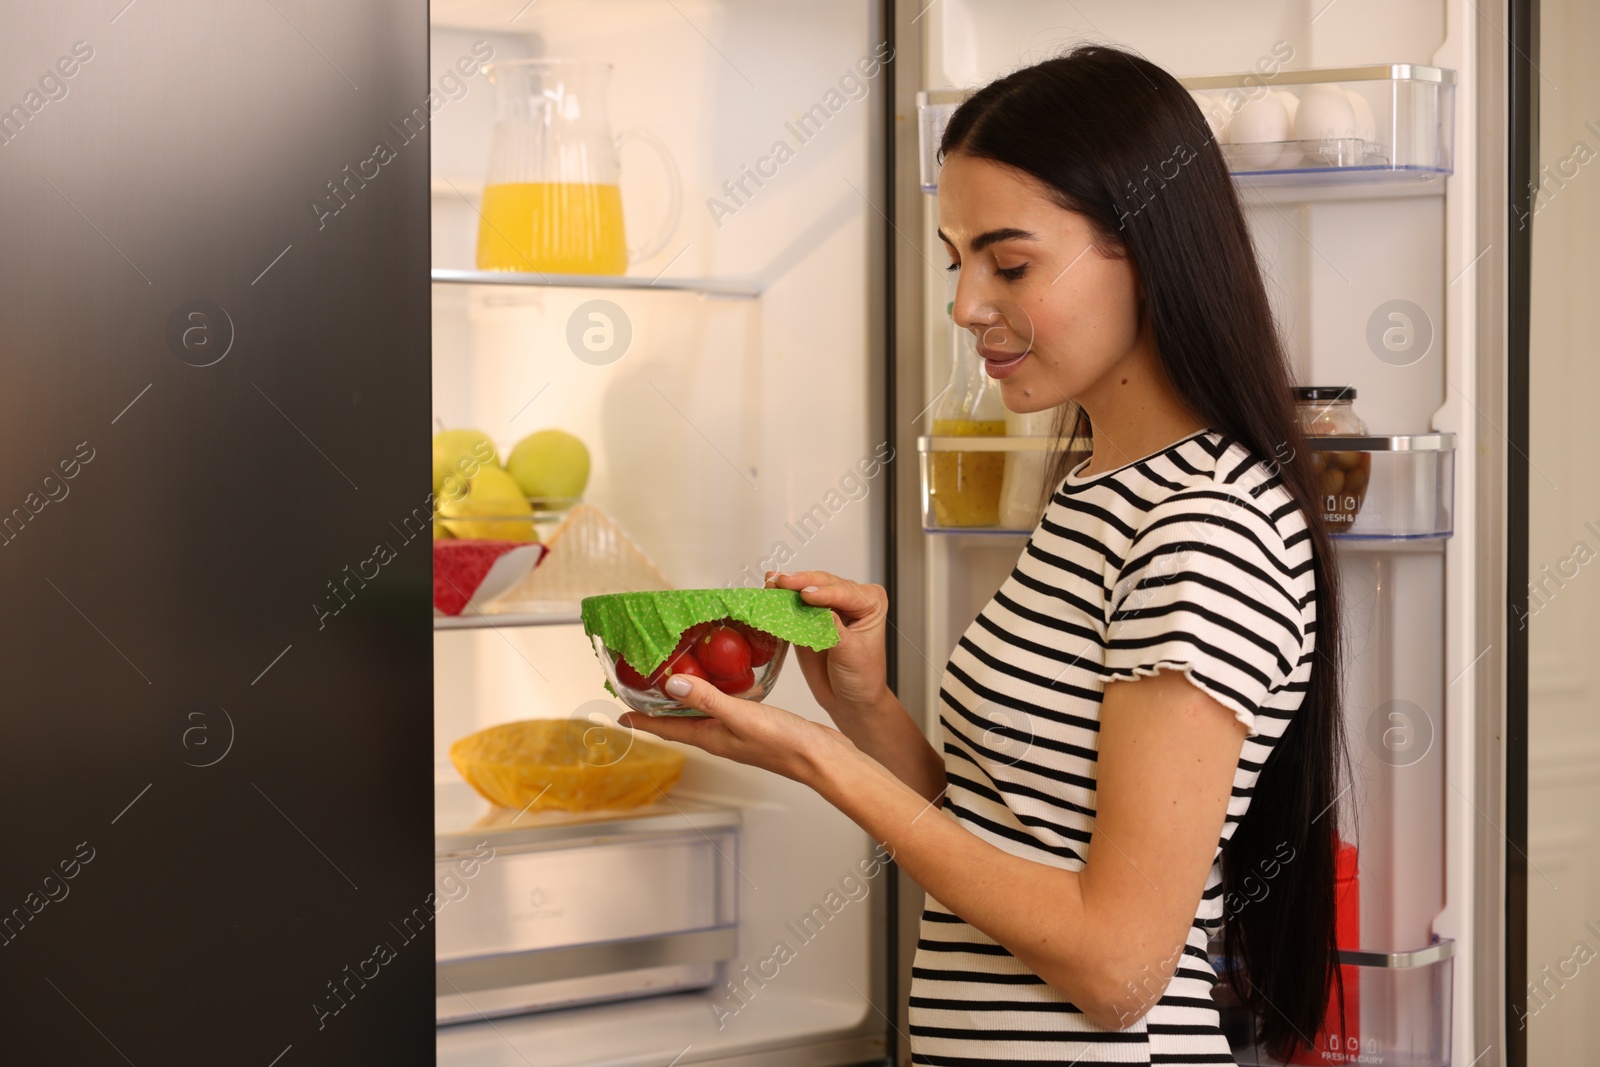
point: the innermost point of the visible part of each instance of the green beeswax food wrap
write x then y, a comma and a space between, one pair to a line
644, 627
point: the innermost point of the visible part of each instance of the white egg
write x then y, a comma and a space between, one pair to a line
1324, 113
1290, 103
1216, 114
1291, 156
1366, 123
1261, 121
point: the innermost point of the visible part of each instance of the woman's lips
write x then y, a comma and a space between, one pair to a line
999, 364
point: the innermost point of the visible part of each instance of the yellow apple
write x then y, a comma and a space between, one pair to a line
461, 452
550, 466
486, 506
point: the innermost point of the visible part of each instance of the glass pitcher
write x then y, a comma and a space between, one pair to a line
551, 200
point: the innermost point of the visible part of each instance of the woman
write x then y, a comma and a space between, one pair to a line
1146, 713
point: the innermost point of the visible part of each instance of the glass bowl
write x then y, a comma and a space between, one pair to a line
645, 693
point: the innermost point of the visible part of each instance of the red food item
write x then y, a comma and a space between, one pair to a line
680, 662
763, 646
736, 685
630, 677
459, 567
723, 653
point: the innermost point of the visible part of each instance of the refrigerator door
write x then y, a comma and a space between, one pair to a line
1343, 255
213, 342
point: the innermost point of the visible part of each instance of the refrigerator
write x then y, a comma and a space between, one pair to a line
242, 289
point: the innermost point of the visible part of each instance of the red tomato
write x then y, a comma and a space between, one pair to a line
630, 677
682, 662
734, 686
723, 653
763, 646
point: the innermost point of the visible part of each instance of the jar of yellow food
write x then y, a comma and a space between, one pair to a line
1341, 476
964, 487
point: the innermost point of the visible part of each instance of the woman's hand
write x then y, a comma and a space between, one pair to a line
744, 731
851, 676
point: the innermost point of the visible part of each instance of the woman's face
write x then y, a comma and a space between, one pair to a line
1053, 315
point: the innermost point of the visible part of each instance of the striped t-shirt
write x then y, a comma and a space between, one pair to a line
1195, 558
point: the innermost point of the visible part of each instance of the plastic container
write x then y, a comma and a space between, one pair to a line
934, 108
1382, 123
1379, 123
1404, 1002
1410, 492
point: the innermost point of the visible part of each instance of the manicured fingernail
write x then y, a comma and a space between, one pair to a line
809, 589
677, 686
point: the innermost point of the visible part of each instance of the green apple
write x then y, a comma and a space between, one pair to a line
486, 506
551, 465
461, 452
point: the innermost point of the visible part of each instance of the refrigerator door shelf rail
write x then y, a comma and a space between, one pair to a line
725, 288
1421, 957
1389, 125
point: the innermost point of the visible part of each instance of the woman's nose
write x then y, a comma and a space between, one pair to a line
970, 312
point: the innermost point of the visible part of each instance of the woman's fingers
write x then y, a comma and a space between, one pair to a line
703, 697
850, 599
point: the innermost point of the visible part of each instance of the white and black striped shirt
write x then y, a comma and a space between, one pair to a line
1196, 559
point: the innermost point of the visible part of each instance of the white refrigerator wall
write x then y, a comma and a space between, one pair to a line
733, 435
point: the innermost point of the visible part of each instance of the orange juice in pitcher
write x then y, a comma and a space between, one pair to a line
552, 202
552, 227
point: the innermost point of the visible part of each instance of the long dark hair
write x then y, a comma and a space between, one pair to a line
1116, 139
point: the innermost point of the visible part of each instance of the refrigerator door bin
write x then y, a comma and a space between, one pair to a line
1408, 490
1403, 1018
1385, 123
974, 466
553, 909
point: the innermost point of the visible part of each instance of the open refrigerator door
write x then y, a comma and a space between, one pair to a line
714, 358
1367, 238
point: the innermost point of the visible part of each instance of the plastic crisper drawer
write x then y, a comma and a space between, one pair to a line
551, 910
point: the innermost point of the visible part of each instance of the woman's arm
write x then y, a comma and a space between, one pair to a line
1107, 937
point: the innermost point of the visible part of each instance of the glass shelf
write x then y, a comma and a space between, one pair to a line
1376, 130
1407, 495
510, 615
725, 288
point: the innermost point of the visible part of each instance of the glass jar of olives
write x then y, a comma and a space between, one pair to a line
1341, 476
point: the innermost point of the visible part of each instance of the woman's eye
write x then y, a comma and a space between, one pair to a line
953, 267
1011, 274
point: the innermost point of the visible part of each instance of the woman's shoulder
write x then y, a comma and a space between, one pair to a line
1217, 475
1222, 499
